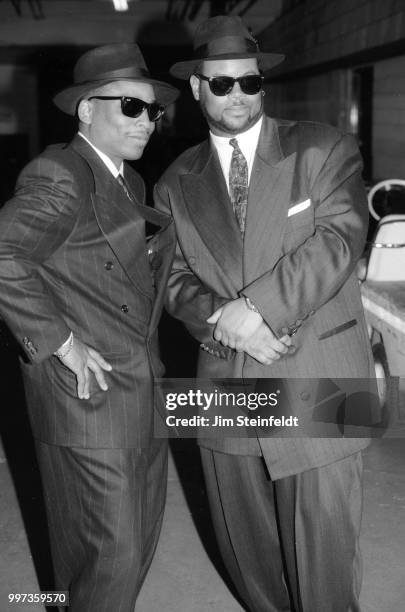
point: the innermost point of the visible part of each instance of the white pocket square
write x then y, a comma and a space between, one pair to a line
299, 207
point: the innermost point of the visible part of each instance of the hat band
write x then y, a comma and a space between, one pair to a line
225, 45
133, 72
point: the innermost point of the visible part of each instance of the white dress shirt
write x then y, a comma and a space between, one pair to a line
247, 142
108, 162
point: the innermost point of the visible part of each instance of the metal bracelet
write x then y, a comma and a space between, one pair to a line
250, 305
62, 353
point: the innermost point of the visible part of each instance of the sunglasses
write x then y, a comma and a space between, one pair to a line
134, 107
223, 85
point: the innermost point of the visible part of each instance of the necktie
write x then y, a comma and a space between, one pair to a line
150, 228
123, 184
238, 184
154, 256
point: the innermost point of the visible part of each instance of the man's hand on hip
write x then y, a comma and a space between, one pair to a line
81, 359
235, 323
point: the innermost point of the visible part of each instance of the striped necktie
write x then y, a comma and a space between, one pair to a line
150, 228
123, 184
238, 184
154, 257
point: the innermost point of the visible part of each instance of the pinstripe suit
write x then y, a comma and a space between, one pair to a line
73, 257
298, 271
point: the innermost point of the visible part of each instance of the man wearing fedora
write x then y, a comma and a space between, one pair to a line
81, 286
271, 218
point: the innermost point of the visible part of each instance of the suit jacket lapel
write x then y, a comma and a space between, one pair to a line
269, 198
163, 241
208, 204
156, 217
118, 218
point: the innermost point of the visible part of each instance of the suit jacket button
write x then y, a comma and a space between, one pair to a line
124, 308
108, 265
305, 396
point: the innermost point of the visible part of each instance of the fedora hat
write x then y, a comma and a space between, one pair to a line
220, 38
102, 65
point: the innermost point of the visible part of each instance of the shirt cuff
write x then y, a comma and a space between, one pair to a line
65, 345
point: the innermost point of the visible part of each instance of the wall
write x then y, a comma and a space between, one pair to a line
316, 98
326, 42
316, 32
389, 118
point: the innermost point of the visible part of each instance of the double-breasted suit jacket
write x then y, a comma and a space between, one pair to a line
73, 257
305, 230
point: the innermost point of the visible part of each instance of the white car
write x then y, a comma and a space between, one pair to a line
382, 276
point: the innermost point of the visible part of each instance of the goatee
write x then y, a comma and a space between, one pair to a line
220, 127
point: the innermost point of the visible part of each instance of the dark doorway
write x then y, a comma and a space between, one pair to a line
14, 154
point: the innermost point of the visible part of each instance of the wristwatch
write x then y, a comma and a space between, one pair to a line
250, 305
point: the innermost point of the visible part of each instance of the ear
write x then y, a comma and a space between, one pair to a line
195, 86
85, 111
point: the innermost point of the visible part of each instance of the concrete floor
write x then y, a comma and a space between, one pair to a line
187, 574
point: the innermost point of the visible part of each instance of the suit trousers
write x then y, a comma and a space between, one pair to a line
105, 509
291, 544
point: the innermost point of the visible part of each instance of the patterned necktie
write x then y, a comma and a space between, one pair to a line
238, 184
123, 184
150, 228
154, 257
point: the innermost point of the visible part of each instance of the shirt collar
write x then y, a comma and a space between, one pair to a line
108, 162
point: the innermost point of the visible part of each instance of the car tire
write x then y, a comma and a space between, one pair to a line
387, 386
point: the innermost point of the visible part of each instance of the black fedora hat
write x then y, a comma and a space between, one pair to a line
224, 37
102, 65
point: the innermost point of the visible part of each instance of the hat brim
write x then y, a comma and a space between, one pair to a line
184, 70
68, 99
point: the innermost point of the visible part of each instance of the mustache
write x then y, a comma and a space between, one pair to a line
141, 133
220, 125
241, 103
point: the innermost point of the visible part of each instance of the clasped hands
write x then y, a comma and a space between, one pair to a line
240, 328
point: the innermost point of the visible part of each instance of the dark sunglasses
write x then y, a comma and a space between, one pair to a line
134, 107
223, 85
